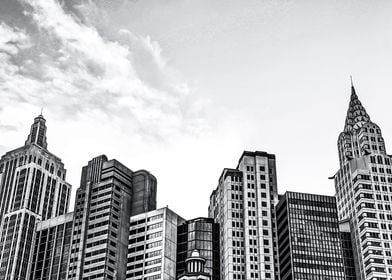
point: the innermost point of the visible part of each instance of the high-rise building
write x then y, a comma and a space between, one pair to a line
109, 194
201, 234
243, 205
153, 245
364, 192
309, 237
32, 189
51, 249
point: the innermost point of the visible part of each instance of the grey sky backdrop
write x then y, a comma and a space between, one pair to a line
182, 87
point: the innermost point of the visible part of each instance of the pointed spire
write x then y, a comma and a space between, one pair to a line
353, 93
37, 134
356, 113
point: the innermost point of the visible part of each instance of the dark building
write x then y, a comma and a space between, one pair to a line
51, 250
201, 234
195, 268
104, 204
347, 250
309, 237
32, 189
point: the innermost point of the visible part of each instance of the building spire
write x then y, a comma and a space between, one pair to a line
353, 93
37, 134
356, 113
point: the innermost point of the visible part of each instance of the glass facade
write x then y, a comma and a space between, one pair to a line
201, 234
347, 250
51, 250
309, 237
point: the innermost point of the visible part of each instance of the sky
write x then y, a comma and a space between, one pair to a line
182, 87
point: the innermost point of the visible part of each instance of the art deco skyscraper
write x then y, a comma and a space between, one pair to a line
243, 205
32, 189
364, 192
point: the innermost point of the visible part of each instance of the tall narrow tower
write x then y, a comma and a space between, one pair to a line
364, 192
243, 205
32, 189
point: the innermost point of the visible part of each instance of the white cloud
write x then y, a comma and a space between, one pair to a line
12, 39
77, 70
103, 90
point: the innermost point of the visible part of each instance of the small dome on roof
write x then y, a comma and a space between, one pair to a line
195, 253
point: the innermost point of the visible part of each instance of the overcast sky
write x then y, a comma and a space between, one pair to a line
182, 87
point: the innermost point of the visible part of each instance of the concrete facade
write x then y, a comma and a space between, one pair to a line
153, 245
364, 192
243, 205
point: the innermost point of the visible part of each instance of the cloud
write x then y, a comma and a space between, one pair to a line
75, 69
12, 40
5, 127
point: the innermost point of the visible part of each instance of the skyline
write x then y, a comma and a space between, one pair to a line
184, 103
161, 205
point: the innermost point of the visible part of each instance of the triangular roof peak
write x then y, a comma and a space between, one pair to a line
38, 132
356, 113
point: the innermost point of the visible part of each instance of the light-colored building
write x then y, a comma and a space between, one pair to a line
243, 205
32, 189
152, 245
364, 192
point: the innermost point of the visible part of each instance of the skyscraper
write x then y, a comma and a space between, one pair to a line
32, 189
243, 205
309, 237
109, 194
364, 192
201, 234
